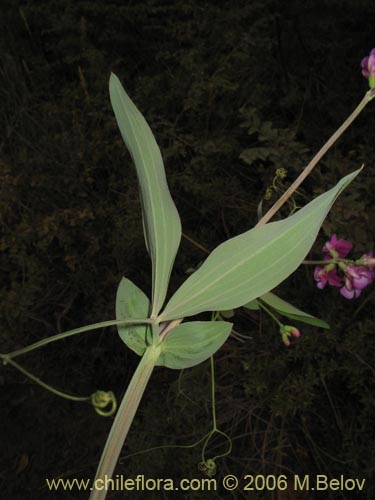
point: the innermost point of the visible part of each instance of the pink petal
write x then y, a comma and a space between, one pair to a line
364, 62
343, 247
371, 64
320, 277
348, 294
334, 279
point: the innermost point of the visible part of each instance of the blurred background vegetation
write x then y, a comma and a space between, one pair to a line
232, 90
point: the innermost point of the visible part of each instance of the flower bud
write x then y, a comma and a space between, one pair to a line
368, 68
287, 331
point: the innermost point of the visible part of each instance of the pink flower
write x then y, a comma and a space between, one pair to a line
348, 291
359, 276
337, 248
351, 276
323, 276
368, 65
356, 279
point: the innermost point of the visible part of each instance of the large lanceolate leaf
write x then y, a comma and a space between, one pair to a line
253, 263
285, 309
131, 302
161, 222
191, 343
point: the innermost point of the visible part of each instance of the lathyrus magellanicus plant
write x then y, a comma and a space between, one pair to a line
241, 271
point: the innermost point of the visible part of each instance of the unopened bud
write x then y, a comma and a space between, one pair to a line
288, 331
285, 339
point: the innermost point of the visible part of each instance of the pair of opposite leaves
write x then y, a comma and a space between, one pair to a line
236, 273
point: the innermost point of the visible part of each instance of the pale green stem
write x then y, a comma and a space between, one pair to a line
64, 335
37, 380
270, 313
213, 393
213, 402
123, 421
164, 447
280, 202
214, 429
324, 262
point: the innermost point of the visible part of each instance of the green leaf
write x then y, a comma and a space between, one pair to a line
191, 343
131, 302
253, 263
229, 313
252, 305
285, 309
161, 222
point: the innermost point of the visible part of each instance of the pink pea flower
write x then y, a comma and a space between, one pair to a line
348, 291
368, 65
349, 275
356, 279
323, 276
337, 248
359, 276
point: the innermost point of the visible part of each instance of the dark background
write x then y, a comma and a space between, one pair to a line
232, 91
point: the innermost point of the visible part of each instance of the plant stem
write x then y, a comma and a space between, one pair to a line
123, 421
326, 262
316, 262
37, 380
270, 313
214, 429
280, 202
64, 335
213, 402
195, 243
169, 327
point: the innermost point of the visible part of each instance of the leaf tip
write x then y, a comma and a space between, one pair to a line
325, 325
113, 81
